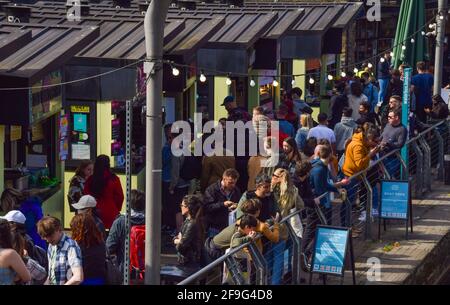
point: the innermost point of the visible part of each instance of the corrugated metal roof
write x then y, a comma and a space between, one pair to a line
49, 48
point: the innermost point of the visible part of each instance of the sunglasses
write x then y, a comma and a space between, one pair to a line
276, 176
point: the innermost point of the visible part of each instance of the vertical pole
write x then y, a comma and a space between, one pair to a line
440, 36
129, 116
154, 22
405, 109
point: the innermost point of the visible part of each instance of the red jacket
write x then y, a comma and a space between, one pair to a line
109, 204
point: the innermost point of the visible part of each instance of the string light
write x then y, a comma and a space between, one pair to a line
441, 17
252, 83
311, 81
423, 33
293, 82
202, 77
275, 83
412, 40
369, 65
392, 54
343, 74
175, 71
228, 81
355, 70
403, 47
330, 77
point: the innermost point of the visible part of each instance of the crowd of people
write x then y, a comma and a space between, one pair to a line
212, 203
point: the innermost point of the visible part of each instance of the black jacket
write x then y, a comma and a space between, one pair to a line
216, 213
368, 117
305, 192
337, 104
189, 247
395, 87
383, 69
269, 206
439, 111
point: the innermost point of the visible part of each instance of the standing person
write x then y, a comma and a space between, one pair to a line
285, 126
76, 186
300, 106
286, 195
357, 157
302, 173
11, 264
87, 204
370, 90
235, 113
220, 199
214, 166
439, 109
422, 85
395, 87
344, 130
115, 243
306, 124
290, 156
263, 193
189, 241
337, 104
355, 98
322, 131
93, 250
366, 116
64, 254
393, 137
384, 75
395, 102
105, 187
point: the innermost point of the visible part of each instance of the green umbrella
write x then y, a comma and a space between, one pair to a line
410, 24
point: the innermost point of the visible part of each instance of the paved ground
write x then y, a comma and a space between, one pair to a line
431, 224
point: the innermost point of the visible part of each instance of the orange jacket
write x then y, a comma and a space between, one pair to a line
356, 156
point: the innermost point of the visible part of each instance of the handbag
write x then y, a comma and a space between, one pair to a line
113, 274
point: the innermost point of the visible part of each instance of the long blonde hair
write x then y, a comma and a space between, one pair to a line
288, 192
306, 121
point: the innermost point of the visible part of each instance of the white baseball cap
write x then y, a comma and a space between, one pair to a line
15, 216
86, 201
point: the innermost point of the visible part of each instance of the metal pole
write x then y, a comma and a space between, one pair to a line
440, 36
154, 22
126, 267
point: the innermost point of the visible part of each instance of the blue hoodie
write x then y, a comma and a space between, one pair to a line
319, 181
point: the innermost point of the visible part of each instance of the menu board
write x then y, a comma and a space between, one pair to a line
330, 250
394, 199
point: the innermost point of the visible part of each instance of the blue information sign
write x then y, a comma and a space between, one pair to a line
330, 250
394, 199
407, 74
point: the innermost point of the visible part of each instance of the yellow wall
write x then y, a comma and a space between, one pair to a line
104, 127
221, 90
137, 182
299, 67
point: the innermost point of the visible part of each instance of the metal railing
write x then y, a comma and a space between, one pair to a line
426, 153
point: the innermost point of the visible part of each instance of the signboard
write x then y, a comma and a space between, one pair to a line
407, 72
395, 203
394, 199
115, 129
330, 250
80, 109
81, 152
16, 132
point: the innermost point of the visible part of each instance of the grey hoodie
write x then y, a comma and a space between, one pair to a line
343, 131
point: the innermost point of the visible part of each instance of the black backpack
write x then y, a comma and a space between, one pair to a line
40, 255
191, 168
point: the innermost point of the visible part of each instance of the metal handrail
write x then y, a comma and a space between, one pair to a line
205, 270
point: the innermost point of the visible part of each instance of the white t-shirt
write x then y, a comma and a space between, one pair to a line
322, 132
354, 102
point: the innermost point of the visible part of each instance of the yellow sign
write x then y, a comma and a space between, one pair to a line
80, 109
16, 132
37, 132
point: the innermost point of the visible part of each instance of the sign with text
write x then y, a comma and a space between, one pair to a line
406, 98
394, 199
330, 250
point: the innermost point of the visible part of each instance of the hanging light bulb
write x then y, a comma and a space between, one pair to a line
275, 83
355, 70
311, 80
202, 77
252, 83
423, 33
228, 81
412, 40
293, 82
382, 59
369, 65
392, 54
330, 77
403, 47
175, 71
441, 17
343, 74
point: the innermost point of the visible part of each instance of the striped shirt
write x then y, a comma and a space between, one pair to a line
62, 258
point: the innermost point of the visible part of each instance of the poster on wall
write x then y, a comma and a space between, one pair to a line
80, 122
16, 132
63, 137
115, 129
81, 152
37, 132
